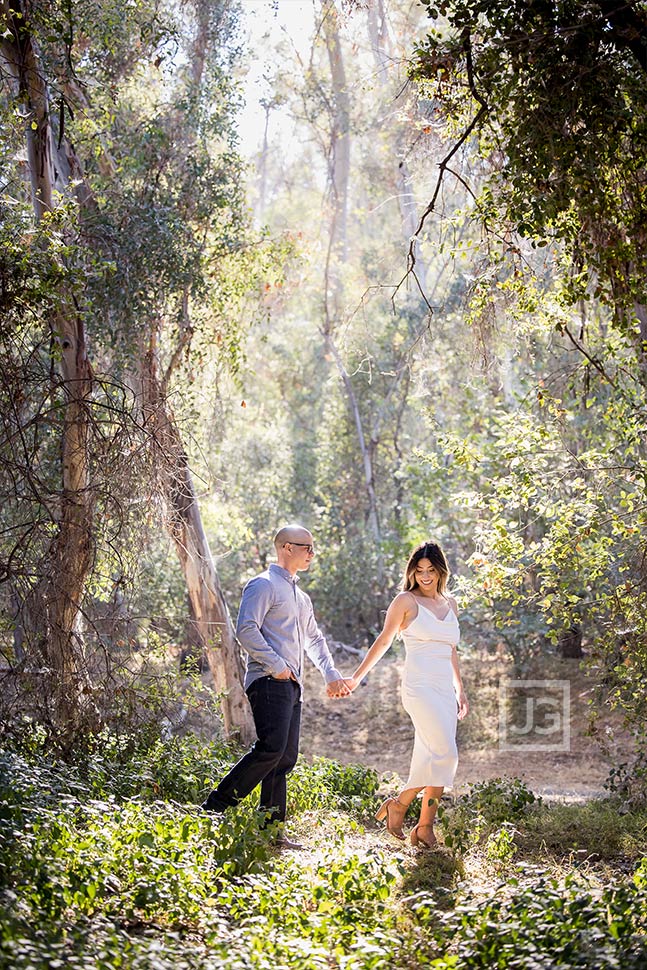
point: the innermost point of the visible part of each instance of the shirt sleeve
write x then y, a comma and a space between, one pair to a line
317, 649
255, 603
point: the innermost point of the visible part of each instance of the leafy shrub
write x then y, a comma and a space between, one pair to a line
545, 925
129, 859
285, 916
500, 848
485, 807
326, 784
121, 765
181, 768
89, 851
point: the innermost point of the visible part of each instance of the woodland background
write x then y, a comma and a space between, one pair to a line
419, 310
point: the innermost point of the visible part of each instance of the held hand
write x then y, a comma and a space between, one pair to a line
463, 705
338, 688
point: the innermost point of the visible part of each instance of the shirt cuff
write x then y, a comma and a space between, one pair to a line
332, 674
278, 668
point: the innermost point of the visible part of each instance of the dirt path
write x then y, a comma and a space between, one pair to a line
372, 728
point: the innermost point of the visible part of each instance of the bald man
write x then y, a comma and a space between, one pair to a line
276, 625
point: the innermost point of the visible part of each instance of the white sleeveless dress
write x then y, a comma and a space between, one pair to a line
429, 698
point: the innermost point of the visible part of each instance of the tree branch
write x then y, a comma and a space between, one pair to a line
629, 28
443, 166
592, 360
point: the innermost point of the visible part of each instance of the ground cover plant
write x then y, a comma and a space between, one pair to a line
106, 861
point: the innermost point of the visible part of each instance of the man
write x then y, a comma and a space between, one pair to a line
276, 625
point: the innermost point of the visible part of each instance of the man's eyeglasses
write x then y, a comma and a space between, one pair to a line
306, 545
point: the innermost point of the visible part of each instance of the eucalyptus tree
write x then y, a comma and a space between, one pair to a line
207, 199
55, 175
138, 199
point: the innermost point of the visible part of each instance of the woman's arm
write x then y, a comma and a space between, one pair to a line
396, 616
461, 696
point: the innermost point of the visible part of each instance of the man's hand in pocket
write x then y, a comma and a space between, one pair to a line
284, 675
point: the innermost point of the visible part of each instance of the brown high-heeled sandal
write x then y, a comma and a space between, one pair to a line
384, 811
418, 842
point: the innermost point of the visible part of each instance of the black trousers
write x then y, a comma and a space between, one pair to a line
276, 706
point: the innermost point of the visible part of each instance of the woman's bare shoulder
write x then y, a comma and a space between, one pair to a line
452, 602
404, 601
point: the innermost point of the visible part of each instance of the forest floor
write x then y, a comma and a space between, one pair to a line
110, 862
373, 729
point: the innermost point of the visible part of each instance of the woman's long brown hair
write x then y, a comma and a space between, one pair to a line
434, 553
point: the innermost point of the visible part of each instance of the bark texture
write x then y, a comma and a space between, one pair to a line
55, 604
211, 616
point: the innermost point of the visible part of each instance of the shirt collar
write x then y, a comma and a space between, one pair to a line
274, 567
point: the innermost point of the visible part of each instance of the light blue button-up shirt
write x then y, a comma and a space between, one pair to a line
276, 625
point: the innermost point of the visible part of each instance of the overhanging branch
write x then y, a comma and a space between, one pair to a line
443, 165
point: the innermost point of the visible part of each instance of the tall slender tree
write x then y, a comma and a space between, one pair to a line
337, 250
55, 174
211, 615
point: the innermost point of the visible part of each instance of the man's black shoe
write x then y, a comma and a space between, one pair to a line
213, 809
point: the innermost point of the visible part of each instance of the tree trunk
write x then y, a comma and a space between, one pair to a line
61, 593
339, 174
74, 544
570, 643
211, 615
380, 40
365, 451
339, 169
378, 33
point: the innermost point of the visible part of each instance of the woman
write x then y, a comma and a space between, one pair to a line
432, 690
